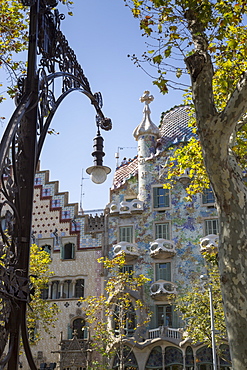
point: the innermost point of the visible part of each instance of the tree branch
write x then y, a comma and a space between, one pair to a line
236, 107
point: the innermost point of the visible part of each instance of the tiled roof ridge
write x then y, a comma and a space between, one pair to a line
124, 172
130, 160
170, 110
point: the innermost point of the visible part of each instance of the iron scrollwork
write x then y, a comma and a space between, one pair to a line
56, 62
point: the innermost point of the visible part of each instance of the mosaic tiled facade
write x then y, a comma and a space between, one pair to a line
160, 234
158, 231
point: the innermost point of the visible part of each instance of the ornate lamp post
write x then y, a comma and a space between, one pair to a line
50, 59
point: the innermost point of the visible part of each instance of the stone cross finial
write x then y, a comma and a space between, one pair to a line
146, 97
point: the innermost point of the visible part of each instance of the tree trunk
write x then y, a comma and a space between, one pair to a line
215, 130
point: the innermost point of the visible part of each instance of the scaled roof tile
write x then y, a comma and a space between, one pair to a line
174, 130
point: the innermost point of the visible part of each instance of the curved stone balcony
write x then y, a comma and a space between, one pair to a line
161, 288
162, 248
209, 243
129, 249
125, 208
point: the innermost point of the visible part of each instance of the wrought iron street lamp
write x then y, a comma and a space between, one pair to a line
98, 172
50, 59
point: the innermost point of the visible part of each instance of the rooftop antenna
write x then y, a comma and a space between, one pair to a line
121, 148
82, 193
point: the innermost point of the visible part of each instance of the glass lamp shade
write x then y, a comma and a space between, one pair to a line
98, 174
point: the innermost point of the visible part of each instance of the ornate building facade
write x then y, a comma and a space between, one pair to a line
74, 242
158, 231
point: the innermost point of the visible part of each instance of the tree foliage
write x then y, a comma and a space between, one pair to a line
110, 313
179, 30
194, 306
40, 311
209, 38
14, 39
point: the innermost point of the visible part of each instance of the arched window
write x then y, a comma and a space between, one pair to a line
189, 359
78, 326
124, 319
173, 359
155, 359
204, 358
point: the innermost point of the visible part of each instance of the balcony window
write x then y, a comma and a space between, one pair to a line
126, 234
208, 196
162, 231
161, 197
167, 316
164, 315
211, 226
163, 271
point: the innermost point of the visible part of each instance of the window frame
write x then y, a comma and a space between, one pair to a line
204, 197
57, 291
158, 271
82, 288
155, 198
68, 240
168, 224
205, 227
130, 227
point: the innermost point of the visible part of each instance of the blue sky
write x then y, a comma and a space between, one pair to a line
102, 34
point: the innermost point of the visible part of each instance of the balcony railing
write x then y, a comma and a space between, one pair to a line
165, 332
125, 208
129, 249
161, 288
162, 248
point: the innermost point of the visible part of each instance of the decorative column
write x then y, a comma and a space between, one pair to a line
146, 134
73, 287
61, 288
49, 290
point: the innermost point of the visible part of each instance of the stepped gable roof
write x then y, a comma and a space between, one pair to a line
174, 130
174, 126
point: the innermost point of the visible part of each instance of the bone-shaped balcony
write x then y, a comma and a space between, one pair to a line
129, 249
209, 243
162, 288
162, 248
125, 208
